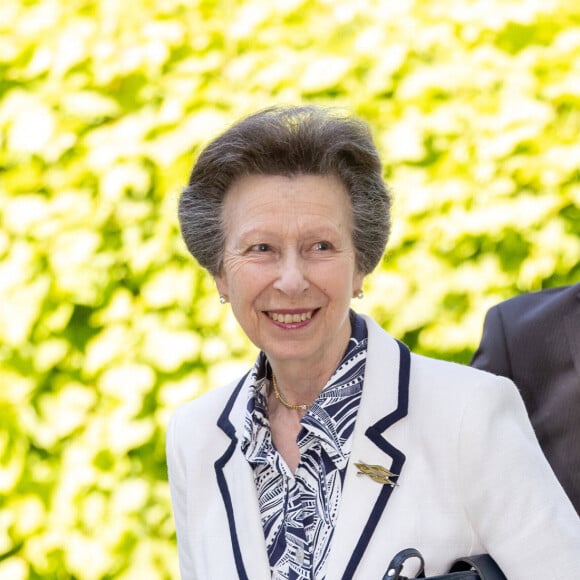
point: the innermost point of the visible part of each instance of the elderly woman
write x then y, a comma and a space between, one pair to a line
339, 447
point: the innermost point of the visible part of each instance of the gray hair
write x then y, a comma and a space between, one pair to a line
288, 141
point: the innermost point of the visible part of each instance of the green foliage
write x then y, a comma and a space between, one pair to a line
106, 324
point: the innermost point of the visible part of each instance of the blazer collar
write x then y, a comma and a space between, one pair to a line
384, 402
236, 484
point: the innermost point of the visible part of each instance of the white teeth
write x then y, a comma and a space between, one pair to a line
289, 318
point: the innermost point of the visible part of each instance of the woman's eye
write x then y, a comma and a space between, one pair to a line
322, 246
260, 248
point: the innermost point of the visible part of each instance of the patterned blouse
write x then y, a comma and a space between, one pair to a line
299, 510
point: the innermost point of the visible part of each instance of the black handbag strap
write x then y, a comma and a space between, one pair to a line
484, 564
479, 567
396, 566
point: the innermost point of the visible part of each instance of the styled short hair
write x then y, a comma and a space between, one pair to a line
288, 141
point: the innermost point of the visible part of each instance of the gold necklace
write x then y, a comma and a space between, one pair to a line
284, 402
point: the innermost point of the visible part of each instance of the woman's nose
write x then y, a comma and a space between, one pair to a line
291, 279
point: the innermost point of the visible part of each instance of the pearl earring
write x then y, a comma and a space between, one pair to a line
360, 295
223, 299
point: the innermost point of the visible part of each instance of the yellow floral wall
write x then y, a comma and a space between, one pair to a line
106, 324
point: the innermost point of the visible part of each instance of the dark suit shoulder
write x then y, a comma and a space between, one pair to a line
525, 330
534, 306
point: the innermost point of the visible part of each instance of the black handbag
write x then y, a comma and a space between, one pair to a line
480, 567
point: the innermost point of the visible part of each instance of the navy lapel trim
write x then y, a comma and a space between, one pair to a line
225, 424
375, 434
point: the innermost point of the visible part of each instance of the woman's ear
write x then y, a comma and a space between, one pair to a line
357, 282
221, 285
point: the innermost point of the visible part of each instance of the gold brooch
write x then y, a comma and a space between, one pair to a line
377, 473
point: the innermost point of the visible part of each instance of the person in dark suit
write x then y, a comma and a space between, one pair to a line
534, 339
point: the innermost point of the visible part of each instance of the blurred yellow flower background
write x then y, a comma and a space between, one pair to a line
106, 324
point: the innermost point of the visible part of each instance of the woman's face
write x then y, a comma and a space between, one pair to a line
289, 265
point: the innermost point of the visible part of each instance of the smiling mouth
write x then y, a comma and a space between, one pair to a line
290, 318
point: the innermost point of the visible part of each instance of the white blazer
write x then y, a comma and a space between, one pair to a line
472, 478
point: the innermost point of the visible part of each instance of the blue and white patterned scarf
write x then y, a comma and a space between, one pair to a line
299, 510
